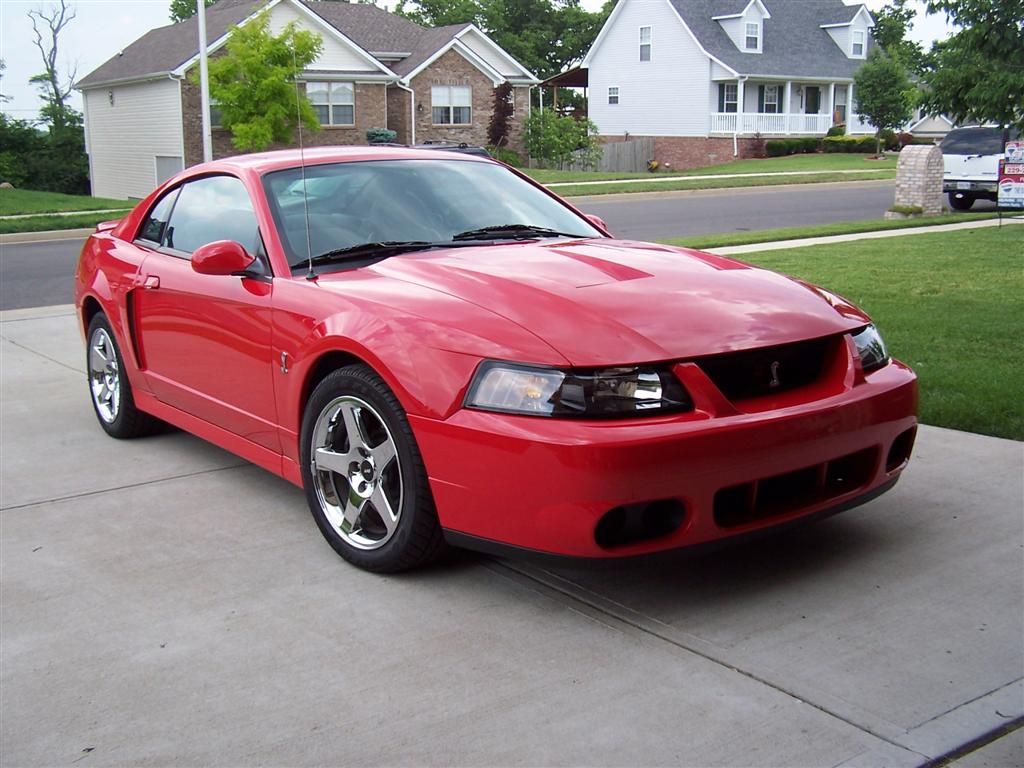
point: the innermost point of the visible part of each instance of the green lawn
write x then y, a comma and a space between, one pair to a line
948, 304
833, 162
821, 230
585, 190
47, 223
21, 201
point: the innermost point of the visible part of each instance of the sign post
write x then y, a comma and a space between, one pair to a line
1011, 176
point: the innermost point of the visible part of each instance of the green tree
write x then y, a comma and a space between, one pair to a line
977, 75
892, 24
4, 98
554, 139
186, 9
254, 83
885, 95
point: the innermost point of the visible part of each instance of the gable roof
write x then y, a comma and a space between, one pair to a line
163, 50
794, 44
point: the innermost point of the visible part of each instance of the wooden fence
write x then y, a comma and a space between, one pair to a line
618, 157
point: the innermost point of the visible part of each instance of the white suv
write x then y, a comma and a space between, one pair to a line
971, 157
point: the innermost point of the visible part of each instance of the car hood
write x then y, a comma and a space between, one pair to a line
607, 302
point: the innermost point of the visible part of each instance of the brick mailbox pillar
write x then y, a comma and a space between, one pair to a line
918, 181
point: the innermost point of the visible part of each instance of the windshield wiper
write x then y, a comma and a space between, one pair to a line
512, 232
362, 250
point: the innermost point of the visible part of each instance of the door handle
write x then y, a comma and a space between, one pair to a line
151, 282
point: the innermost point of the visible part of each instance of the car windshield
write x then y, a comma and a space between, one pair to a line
975, 141
393, 201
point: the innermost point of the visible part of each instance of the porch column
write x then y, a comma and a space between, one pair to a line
849, 108
832, 104
789, 104
740, 106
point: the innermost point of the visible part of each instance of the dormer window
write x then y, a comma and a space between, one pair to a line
858, 44
753, 36
645, 43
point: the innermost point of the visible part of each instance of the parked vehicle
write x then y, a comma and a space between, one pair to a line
438, 349
971, 157
460, 147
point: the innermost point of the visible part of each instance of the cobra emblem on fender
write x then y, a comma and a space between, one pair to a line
774, 382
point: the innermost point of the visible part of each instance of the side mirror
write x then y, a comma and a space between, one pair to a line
221, 257
597, 221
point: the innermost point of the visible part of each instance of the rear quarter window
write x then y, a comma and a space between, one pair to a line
975, 141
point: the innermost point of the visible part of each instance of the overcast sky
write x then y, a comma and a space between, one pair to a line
103, 27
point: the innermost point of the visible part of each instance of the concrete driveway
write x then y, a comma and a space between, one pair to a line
164, 603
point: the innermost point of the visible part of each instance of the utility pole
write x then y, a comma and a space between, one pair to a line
204, 83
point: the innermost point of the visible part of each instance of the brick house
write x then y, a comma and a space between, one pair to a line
377, 70
705, 78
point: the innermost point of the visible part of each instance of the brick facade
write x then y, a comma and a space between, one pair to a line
370, 112
453, 69
685, 152
398, 113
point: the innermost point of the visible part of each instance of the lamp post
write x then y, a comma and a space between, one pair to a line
204, 83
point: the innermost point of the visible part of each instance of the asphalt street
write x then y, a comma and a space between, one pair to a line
166, 603
39, 274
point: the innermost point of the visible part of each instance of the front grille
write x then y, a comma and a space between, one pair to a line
782, 494
758, 372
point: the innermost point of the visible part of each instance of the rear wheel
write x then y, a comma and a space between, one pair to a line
109, 386
959, 201
363, 474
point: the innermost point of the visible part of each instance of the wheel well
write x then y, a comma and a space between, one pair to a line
331, 361
90, 308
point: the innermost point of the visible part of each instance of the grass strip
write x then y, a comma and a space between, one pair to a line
821, 230
948, 304
585, 190
15, 202
48, 223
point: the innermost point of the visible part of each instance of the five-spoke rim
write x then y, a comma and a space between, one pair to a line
103, 375
356, 472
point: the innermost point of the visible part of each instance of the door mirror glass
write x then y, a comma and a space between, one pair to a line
221, 257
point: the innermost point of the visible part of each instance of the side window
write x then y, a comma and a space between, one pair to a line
209, 209
152, 230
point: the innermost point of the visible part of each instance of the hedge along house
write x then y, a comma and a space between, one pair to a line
143, 118
707, 78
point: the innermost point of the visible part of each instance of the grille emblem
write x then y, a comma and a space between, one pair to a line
774, 382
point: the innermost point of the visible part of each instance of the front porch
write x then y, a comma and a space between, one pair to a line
781, 108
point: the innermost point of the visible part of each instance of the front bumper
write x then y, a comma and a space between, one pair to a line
547, 484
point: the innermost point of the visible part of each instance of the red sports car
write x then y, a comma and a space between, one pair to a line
439, 350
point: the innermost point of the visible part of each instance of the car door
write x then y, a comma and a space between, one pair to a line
205, 340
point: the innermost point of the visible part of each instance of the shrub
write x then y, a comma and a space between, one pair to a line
501, 114
861, 144
553, 139
380, 136
904, 139
776, 148
783, 147
836, 130
506, 156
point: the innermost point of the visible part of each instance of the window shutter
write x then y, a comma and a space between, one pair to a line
760, 98
721, 97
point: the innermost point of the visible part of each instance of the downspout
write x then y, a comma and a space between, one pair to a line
412, 110
739, 118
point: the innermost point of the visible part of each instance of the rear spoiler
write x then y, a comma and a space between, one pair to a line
106, 226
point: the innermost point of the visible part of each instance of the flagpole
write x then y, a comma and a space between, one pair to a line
204, 82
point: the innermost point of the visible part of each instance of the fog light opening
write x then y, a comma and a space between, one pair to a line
632, 523
901, 449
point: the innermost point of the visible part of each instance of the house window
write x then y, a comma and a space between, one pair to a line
334, 103
452, 104
753, 37
613, 95
216, 116
770, 104
840, 113
858, 43
645, 43
728, 97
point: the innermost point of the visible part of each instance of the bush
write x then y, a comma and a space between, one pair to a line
506, 156
783, 147
555, 140
836, 130
380, 136
859, 144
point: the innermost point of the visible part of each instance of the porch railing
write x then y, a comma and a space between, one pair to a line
769, 124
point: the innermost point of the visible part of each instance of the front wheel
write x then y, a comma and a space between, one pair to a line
959, 201
363, 474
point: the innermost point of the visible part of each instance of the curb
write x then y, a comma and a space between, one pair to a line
16, 238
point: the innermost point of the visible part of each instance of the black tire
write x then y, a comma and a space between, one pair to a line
959, 201
414, 537
115, 411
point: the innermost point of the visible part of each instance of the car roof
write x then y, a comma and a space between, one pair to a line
262, 162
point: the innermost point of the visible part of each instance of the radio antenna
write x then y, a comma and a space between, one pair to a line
310, 275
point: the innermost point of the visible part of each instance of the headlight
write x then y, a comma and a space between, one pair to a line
607, 392
873, 354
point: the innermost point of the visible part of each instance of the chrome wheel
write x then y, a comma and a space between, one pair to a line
104, 376
356, 472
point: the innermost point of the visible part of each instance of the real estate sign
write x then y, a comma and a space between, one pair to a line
1011, 176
